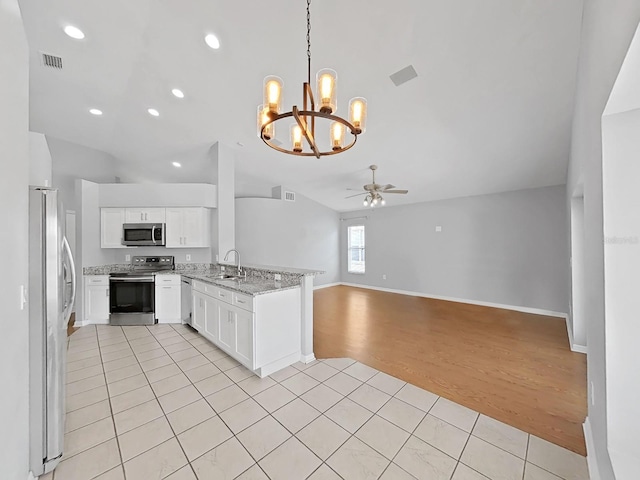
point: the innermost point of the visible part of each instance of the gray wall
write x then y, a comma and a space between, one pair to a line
14, 181
608, 27
300, 234
71, 161
507, 248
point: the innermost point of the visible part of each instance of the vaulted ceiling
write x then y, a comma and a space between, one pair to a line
490, 110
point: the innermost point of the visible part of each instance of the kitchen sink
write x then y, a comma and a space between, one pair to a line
226, 277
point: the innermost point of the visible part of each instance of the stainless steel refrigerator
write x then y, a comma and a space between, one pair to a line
52, 288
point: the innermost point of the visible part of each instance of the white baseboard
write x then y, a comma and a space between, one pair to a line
592, 462
536, 311
327, 285
307, 358
572, 345
578, 348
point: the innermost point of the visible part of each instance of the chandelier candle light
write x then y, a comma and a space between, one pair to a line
305, 127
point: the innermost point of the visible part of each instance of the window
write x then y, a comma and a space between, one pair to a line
355, 249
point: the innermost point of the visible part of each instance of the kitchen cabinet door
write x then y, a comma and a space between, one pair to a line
145, 215
187, 227
195, 227
226, 327
96, 299
173, 228
111, 220
167, 303
244, 337
199, 311
212, 319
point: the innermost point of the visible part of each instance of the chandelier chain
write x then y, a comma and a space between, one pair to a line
309, 41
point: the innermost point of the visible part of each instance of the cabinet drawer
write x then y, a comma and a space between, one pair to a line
224, 295
97, 280
167, 279
203, 287
243, 301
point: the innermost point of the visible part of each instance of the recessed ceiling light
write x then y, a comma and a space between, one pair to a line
74, 32
212, 41
95, 111
153, 112
176, 164
177, 93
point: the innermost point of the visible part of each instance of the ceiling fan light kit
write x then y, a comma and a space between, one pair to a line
303, 131
374, 191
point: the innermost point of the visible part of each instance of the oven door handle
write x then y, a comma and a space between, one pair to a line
133, 279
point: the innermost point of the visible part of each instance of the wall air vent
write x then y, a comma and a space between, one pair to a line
404, 75
290, 196
51, 61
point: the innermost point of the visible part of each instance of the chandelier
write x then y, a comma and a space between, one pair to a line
304, 128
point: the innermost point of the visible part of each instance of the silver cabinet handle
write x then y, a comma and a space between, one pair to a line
166, 287
240, 301
107, 292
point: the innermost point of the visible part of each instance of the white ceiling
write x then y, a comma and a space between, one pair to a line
490, 110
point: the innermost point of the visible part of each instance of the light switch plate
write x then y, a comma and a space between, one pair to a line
438, 228
188, 257
277, 277
127, 258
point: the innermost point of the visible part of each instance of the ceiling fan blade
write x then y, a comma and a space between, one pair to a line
397, 191
388, 186
357, 195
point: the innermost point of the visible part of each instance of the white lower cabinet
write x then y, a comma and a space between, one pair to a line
262, 332
96, 299
211, 317
167, 299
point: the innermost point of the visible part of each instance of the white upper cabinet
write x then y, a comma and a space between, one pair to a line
188, 227
111, 220
145, 215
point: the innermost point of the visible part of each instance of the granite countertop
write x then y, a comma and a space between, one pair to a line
251, 286
259, 280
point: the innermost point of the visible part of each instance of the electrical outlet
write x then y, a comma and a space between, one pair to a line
438, 228
384, 276
222, 268
127, 258
188, 257
277, 277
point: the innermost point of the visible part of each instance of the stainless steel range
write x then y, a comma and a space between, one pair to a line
132, 294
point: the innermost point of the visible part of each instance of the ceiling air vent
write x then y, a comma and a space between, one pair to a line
51, 61
290, 196
404, 75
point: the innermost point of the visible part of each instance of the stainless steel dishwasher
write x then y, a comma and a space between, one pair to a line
185, 300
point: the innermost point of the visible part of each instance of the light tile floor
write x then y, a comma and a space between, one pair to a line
162, 402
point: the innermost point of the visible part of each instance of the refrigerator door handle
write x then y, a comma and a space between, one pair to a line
72, 266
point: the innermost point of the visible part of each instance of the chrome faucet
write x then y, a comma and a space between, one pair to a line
226, 258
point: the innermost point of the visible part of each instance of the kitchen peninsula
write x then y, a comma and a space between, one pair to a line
261, 316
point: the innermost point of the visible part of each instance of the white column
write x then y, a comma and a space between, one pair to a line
306, 294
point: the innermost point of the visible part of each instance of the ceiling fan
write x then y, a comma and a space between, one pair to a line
374, 191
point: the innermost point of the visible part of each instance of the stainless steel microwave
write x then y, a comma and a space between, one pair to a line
143, 234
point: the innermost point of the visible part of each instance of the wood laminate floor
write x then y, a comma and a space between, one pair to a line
512, 366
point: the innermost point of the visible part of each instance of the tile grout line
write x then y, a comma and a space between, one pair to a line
276, 382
